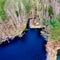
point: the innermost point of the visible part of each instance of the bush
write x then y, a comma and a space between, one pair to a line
50, 11
55, 29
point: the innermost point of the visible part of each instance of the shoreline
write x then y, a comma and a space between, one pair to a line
52, 48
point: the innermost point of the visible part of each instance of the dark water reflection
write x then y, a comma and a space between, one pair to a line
58, 55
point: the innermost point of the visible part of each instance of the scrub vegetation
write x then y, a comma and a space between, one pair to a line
41, 8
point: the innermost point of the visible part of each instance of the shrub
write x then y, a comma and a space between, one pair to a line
55, 29
50, 11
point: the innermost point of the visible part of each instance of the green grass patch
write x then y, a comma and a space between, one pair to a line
2, 12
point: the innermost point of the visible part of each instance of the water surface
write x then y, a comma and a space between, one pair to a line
30, 47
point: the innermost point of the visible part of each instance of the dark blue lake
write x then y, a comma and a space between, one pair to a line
30, 47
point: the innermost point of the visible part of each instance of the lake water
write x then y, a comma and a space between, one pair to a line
29, 47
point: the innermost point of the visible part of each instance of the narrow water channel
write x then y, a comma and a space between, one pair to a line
30, 47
